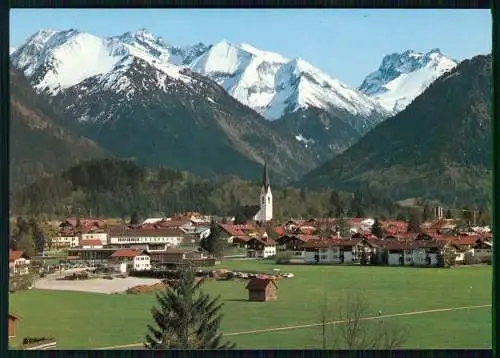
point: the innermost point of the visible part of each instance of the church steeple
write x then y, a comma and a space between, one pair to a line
265, 178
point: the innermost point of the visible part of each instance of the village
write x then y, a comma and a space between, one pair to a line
139, 256
157, 243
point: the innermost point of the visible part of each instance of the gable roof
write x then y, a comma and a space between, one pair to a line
15, 255
131, 253
259, 284
14, 316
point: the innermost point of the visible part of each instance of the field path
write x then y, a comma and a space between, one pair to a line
276, 329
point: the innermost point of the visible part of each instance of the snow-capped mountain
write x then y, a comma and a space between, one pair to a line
136, 97
273, 85
403, 76
267, 82
11, 50
56, 60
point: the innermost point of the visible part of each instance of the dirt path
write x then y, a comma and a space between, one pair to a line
276, 329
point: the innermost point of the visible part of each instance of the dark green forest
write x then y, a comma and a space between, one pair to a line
117, 188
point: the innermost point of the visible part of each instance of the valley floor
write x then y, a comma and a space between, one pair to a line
436, 308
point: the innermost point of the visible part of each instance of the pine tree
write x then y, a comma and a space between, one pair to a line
134, 219
427, 215
377, 229
212, 243
414, 222
186, 318
448, 214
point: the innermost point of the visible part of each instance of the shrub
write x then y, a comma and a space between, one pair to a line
282, 258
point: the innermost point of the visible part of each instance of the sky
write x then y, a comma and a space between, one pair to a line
346, 44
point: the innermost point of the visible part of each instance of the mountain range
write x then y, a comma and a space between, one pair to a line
277, 88
439, 146
226, 108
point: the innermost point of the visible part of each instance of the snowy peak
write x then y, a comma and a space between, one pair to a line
56, 60
300, 86
273, 85
265, 81
403, 76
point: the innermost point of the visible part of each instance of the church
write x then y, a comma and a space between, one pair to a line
266, 199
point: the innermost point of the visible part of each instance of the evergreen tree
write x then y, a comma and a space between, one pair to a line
427, 215
448, 214
212, 243
377, 229
334, 201
186, 318
414, 222
239, 219
134, 219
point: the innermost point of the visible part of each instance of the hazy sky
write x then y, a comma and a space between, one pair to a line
347, 44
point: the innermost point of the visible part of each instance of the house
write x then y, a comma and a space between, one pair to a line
12, 325
399, 253
177, 256
92, 255
95, 234
237, 235
262, 289
19, 263
335, 250
67, 238
132, 260
481, 251
294, 244
125, 236
262, 247
91, 244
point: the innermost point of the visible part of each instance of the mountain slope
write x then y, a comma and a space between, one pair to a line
38, 144
135, 104
439, 146
275, 86
324, 134
402, 77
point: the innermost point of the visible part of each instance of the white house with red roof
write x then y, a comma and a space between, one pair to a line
19, 263
95, 234
262, 247
132, 260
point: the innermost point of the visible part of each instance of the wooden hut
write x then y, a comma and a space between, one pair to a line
262, 289
12, 325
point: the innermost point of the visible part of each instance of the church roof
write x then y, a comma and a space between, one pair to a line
265, 178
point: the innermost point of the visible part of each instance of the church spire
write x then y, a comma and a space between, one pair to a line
265, 178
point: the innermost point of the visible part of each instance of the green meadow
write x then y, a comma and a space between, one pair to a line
89, 320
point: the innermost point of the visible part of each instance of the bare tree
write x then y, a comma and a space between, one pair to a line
356, 328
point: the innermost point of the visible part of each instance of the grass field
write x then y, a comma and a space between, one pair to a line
89, 320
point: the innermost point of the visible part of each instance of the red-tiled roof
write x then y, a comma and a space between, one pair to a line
280, 230
306, 230
15, 255
127, 253
237, 230
259, 284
